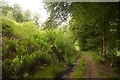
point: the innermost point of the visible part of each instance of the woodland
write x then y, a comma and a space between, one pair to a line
87, 47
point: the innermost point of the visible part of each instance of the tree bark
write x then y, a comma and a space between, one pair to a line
118, 44
104, 47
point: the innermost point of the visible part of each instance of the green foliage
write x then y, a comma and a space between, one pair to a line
27, 16
114, 61
26, 47
90, 21
93, 26
50, 72
6, 69
58, 10
36, 18
15, 12
96, 56
6, 26
80, 69
11, 45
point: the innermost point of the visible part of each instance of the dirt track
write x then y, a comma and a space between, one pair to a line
91, 69
69, 74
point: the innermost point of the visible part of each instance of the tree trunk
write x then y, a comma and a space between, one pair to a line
104, 47
118, 44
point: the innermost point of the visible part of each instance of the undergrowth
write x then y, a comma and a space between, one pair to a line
80, 68
26, 48
103, 66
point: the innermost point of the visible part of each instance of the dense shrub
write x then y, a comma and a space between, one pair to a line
25, 45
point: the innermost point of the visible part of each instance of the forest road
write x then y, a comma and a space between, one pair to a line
91, 68
68, 74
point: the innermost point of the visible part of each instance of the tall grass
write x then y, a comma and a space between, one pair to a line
80, 68
25, 46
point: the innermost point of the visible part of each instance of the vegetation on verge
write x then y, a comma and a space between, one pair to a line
95, 25
80, 68
104, 69
26, 46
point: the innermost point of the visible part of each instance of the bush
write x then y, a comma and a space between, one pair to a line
32, 46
